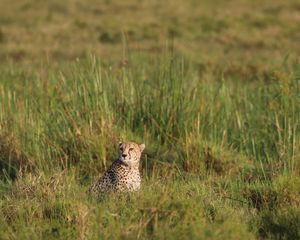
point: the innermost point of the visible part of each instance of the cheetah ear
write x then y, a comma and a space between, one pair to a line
120, 143
142, 147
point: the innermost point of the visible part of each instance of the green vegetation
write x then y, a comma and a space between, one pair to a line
212, 89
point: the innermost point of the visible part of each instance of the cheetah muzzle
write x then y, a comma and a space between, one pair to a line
123, 175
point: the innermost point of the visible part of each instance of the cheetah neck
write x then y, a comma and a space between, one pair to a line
130, 166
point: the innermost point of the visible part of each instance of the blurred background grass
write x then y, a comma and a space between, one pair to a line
212, 88
259, 32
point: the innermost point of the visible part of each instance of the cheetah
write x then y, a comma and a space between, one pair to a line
123, 175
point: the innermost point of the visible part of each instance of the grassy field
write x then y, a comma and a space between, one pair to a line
211, 88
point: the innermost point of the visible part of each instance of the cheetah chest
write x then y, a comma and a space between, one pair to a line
128, 179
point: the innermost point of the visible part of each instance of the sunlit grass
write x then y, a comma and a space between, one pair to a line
216, 151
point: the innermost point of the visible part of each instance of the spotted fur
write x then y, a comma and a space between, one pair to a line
123, 174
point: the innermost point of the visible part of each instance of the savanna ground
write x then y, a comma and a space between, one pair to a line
211, 87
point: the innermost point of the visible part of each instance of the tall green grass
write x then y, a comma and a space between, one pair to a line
218, 151
62, 117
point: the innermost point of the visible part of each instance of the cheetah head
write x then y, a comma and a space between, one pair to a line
130, 152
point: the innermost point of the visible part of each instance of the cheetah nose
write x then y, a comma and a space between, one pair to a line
124, 155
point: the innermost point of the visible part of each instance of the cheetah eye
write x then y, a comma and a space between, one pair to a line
130, 149
121, 149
